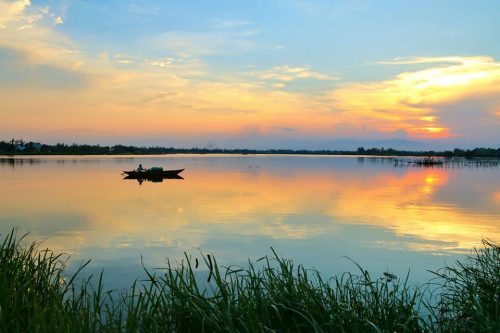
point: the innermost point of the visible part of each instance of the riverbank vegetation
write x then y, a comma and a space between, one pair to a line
446, 162
20, 147
270, 295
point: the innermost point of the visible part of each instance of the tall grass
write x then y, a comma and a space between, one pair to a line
469, 292
270, 295
33, 289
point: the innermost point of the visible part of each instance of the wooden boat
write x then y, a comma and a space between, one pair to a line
152, 173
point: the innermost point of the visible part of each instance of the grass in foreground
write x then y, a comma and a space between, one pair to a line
272, 295
469, 292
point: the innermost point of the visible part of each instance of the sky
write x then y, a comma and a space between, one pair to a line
252, 74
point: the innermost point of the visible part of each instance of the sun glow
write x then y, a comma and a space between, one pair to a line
410, 98
430, 119
430, 132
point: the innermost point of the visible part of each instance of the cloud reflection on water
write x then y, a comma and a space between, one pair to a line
281, 198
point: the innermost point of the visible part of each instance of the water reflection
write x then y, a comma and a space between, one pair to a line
241, 205
152, 179
15, 161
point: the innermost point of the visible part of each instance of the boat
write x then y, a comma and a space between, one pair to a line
153, 173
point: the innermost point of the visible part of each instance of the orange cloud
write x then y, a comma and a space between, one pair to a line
287, 74
13, 12
408, 101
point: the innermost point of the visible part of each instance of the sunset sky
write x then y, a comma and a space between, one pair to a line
254, 74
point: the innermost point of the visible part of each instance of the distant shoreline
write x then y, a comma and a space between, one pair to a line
303, 153
21, 148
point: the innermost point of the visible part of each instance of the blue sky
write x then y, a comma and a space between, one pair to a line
336, 36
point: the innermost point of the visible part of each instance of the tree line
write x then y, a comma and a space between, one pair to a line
20, 147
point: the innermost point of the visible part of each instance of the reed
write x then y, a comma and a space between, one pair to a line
269, 295
468, 293
447, 162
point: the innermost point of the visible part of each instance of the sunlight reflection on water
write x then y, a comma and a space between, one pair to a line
314, 209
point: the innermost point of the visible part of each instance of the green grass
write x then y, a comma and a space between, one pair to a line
469, 292
270, 295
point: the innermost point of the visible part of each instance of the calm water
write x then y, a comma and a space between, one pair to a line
315, 210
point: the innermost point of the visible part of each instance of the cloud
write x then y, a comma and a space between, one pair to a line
287, 74
58, 20
435, 60
15, 75
122, 59
13, 12
411, 100
161, 62
159, 97
30, 30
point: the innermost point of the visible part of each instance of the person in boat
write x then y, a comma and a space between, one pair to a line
140, 168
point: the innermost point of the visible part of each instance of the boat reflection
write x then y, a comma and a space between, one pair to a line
152, 179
